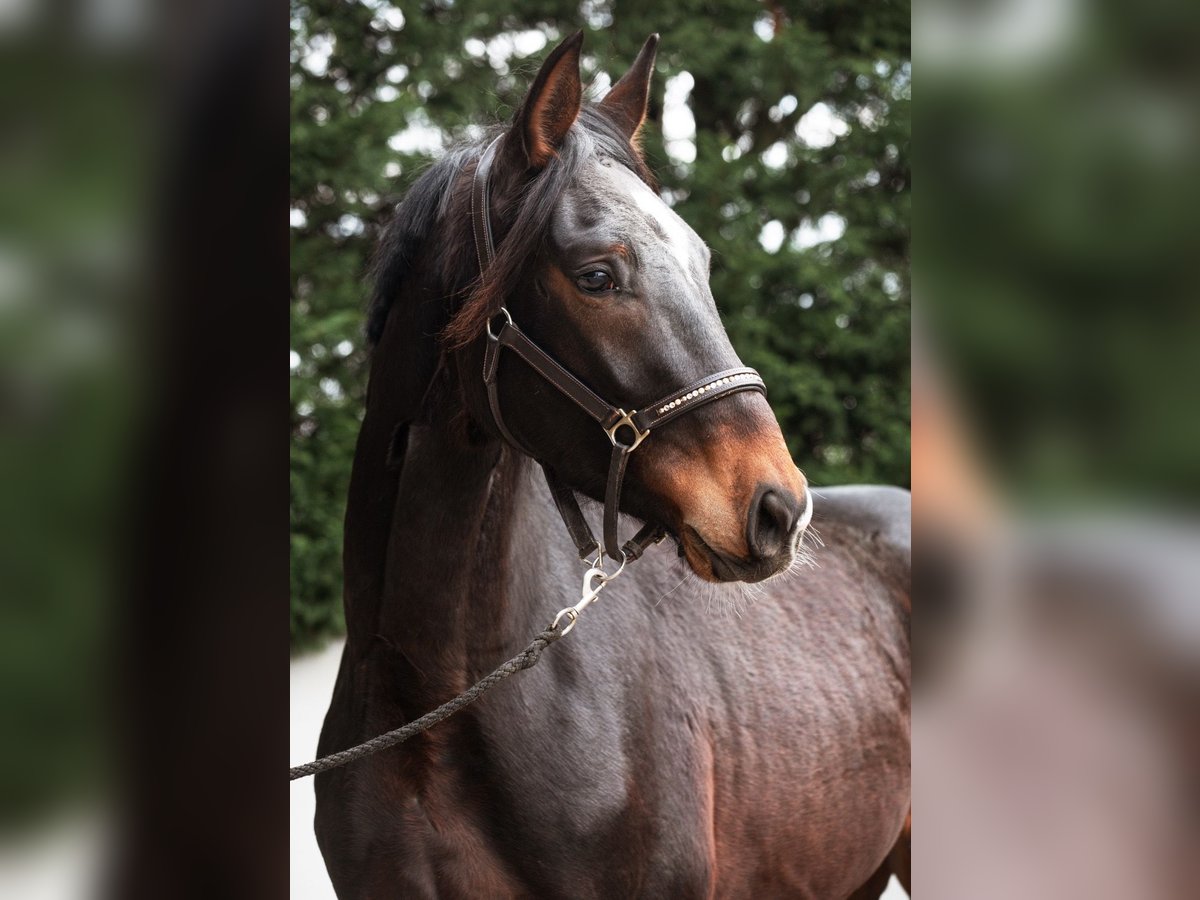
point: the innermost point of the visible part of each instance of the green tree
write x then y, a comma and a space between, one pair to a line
780, 131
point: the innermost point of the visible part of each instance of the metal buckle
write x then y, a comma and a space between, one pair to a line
501, 312
594, 581
627, 419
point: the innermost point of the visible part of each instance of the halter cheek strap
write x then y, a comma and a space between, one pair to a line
625, 430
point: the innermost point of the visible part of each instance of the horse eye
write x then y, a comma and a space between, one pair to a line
595, 282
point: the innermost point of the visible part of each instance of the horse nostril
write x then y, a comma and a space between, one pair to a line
770, 524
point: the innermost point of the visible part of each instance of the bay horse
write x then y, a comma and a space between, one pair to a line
661, 750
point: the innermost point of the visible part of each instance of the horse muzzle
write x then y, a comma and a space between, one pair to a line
775, 523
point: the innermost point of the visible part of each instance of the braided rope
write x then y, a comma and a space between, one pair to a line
526, 659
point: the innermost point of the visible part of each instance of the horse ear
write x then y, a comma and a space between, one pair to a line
626, 102
552, 104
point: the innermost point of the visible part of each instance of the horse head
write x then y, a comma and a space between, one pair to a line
614, 285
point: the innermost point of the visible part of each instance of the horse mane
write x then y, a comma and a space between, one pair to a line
439, 201
412, 223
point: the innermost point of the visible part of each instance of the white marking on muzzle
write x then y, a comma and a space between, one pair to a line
806, 516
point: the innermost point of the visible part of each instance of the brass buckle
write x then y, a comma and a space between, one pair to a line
627, 419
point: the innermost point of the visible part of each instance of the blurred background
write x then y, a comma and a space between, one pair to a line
137, 605
1056, 457
72, 291
779, 131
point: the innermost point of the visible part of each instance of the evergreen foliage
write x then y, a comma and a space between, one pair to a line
797, 175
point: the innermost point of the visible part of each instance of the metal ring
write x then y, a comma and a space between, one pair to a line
501, 312
605, 578
572, 613
627, 419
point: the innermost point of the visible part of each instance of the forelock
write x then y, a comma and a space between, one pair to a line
593, 135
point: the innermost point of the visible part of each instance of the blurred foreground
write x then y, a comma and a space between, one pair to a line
1055, 473
143, 451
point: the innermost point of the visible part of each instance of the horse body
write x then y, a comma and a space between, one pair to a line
662, 750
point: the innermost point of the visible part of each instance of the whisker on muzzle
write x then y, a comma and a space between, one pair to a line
687, 573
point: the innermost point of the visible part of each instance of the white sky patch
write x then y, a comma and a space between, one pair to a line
830, 227
772, 235
738, 149
297, 218
1003, 35
775, 156
678, 123
785, 107
677, 232
293, 360
387, 17
891, 284
348, 225
820, 126
419, 137
764, 27
867, 117
526, 43
503, 47
597, 12
316, 57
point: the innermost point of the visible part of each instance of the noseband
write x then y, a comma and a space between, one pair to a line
626, 430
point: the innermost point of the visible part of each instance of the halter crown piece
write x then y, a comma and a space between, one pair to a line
626, 430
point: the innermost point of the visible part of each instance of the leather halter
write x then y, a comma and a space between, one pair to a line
626, 430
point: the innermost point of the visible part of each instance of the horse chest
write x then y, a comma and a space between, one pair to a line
668, 772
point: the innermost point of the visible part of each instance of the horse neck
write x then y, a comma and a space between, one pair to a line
447, 600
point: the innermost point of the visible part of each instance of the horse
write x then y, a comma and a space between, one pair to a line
661, 750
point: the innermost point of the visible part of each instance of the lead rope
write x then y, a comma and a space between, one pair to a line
594, 581
526, 659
